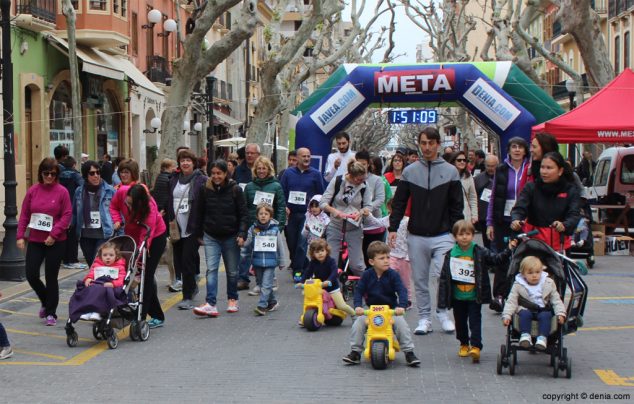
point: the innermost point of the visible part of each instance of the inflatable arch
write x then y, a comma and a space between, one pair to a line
498, 94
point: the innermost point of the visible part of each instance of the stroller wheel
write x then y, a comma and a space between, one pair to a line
499, 364
113, 340
71, 339
556, 369
96, 333
134, 331
569, 368
512, 363
590, 261
553, 358
144, 330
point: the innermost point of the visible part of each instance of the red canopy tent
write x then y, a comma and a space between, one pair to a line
607, 117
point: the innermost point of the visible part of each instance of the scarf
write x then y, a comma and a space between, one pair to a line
85, 199
552, 188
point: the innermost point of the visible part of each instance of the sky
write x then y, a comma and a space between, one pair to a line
406, 36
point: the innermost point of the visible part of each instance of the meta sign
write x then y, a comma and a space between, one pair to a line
412, 82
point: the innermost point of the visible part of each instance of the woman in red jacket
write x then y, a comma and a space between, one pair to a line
46, 212
139, 210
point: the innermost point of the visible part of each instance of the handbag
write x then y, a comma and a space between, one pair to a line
175, 231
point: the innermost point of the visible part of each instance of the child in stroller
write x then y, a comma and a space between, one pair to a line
107, 272
532, 297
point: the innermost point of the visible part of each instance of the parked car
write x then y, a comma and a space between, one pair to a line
613, 176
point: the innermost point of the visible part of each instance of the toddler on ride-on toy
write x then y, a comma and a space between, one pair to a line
323, 267
381, 286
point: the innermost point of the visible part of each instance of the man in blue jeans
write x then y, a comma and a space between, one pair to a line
300, 184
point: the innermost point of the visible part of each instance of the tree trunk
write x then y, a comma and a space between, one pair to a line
197, 63
574, 17
75, 86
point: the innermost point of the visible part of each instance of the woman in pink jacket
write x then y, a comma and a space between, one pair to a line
139, 208
46, 213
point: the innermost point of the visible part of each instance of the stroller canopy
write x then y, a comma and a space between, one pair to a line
540, 250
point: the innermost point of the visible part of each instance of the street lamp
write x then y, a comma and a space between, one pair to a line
11, 260
210, 81
169, 26
155, 123
571, 87
154, 16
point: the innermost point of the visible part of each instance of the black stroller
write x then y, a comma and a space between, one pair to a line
565, 273
132, 296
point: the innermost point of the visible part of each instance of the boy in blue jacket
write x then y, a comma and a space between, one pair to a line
381, 286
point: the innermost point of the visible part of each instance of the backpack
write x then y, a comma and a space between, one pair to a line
339, 181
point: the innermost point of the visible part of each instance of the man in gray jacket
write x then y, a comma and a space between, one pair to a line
431, 187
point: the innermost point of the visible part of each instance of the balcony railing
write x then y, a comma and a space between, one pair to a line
556, 29
616, 7
43, 9
158, 70
600, 6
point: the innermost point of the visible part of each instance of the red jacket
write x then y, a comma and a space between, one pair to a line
120, 213
52, 200
119, 264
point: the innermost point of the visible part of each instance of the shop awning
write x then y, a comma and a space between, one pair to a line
122, 63
92, 62
227, 119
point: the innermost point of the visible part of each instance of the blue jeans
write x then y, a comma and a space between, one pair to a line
245, 264
542, 317
267, 296
296, 242
228, 248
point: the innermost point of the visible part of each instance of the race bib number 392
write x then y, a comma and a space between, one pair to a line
462, 270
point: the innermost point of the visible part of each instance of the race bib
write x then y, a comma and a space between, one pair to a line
355, 222
95, 220
112, 272
462, 270
316, 227
265, 244
41, 221
243, 185
393, 188
486, 195
263, 197
183, 207
476, 172
297, 198
508, 206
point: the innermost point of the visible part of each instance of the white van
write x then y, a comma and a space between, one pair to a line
613, 176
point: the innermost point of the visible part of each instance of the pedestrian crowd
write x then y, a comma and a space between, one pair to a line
413, 221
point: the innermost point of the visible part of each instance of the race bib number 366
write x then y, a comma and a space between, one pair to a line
41, 221
462, 270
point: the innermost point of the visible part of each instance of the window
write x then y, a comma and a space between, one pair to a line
602, 173
75, 4
298, 24
124, 8
60, 119
617, 54
108, 128
134, 37
115, 6
98, 5
228, 21
627, 169
626, 50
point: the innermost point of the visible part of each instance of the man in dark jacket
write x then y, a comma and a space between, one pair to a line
585, 169
243, 174
106, 169
433, 185
483, 184
71, 179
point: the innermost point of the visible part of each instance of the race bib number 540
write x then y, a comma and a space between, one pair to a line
265, 244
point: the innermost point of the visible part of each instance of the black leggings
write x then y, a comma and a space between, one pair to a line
151, 303
185, 258
52, 256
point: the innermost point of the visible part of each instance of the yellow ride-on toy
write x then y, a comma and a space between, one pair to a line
319, 308
381, 344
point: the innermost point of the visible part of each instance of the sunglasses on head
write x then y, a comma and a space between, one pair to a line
92, 173
49, 174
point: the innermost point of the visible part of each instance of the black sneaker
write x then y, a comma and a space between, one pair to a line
242, 285
411, 359
260, 311
353, 358
272, 306
497, 304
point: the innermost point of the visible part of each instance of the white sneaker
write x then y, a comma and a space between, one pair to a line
255, 291
526, 341
424, 327
85, 316
274, 285
95, 316
446, 323
541, 343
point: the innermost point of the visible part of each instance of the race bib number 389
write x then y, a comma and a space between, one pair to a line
462, 270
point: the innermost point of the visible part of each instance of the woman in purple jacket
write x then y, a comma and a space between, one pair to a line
46, 212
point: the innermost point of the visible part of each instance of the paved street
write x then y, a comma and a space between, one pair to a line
244, 358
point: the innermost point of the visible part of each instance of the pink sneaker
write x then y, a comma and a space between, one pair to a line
232, 306
50, 321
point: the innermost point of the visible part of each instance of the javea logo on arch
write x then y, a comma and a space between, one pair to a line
337, 107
